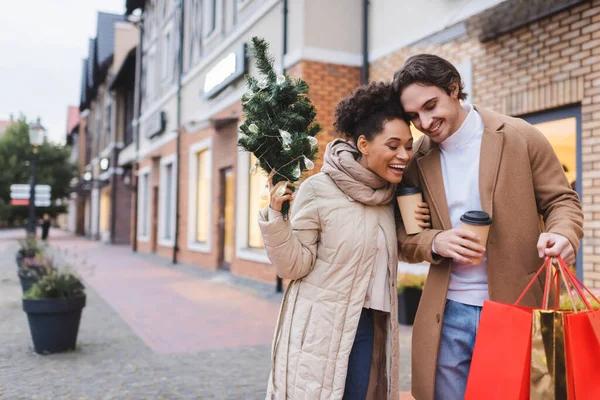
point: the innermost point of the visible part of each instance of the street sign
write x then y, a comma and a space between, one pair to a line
42, 192
19, 194
25, 202
19, 202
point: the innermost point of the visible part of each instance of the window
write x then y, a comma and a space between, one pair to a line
250, 200
166, 56
167, 200
200, 196
256, 201
210, 17
143, 204
562, 134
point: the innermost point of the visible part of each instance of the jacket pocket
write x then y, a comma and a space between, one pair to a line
306, 326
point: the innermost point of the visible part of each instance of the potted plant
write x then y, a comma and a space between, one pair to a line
410, 288
30, 246
53, 306
32, 269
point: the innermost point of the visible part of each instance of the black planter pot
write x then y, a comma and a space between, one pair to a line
408, 303
54, 323
27, 283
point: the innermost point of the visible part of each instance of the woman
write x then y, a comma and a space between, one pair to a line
337, 335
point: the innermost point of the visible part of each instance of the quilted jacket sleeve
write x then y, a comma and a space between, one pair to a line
292, 245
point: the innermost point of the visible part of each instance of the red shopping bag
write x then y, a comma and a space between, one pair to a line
502, 354
500, 368
582, 342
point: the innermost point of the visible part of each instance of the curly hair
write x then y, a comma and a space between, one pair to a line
367, 110
429, 70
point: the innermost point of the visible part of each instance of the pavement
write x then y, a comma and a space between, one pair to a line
150, 330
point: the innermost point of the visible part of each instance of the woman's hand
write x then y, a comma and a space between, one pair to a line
423, 216
280, 193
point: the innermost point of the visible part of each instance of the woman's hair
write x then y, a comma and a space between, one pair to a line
367, 110
429, 70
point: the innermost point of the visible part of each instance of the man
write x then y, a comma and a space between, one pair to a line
474, 159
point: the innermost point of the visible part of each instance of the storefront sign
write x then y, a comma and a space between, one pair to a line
155, 125
224, 72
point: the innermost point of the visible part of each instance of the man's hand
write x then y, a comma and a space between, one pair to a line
458, 244
553, 245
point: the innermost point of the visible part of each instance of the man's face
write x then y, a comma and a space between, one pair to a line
432, 110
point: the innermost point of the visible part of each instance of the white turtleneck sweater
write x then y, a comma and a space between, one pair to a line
460, 169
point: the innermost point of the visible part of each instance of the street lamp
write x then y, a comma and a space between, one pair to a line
36, 137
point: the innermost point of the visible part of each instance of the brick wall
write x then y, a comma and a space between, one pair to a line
329, 84
550, 63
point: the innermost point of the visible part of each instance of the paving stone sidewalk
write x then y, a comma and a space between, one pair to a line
150, 330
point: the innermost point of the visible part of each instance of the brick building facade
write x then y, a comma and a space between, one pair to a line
193, 198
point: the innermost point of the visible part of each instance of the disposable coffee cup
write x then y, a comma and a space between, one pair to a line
408, 198
479, 223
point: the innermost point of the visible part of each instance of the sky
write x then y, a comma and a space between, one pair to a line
42, 45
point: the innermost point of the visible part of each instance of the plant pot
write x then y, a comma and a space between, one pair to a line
27, 283
54, 323
408, 303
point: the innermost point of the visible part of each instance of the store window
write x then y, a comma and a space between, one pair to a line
202, 196
167, 201
144, 204
258, 199
561, 129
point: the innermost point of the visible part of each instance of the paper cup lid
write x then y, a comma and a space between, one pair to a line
476, 218
406, 190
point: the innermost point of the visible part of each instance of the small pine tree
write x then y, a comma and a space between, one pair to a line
279, 127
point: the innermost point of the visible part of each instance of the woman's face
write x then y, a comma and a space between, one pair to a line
388, 153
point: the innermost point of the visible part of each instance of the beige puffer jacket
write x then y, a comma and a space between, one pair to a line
328, 250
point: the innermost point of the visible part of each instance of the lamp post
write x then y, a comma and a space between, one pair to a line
36, 138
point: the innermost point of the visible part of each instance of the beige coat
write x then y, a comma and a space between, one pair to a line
520, 178
328, 250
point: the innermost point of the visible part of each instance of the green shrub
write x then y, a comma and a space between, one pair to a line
408, 280
56, 285
566, 304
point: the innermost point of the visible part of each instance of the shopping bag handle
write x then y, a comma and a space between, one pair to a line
545, 265
569, 279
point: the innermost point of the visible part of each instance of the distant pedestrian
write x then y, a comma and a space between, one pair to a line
45, 226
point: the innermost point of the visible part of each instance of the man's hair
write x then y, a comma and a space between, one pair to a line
429, 70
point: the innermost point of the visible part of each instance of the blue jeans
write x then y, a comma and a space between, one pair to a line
459, 329
359, 363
